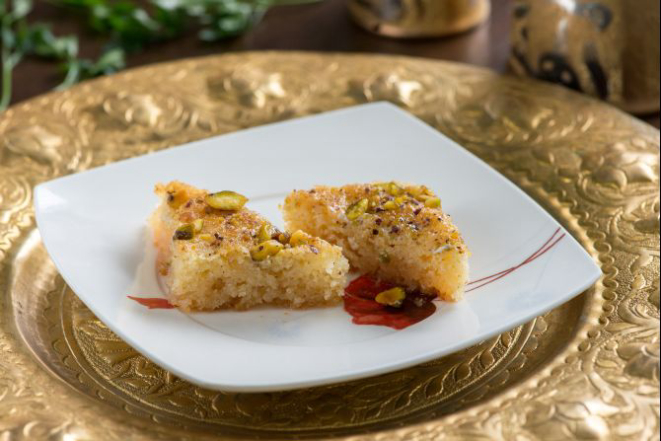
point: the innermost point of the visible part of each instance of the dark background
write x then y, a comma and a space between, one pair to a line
324, 26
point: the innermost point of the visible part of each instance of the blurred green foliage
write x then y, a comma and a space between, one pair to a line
127, 27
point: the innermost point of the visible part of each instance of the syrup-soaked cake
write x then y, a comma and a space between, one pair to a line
215, 253
394, 231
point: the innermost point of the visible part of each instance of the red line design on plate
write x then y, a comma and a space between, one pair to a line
153, 302
550, 243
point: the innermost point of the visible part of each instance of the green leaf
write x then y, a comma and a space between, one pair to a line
21, 8
127, 27
72, 69
111, 61
39, 40
171, 5
173, 22
8, 38
141, 16
291, 2
66, 47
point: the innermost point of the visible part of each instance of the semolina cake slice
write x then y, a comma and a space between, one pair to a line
214, 253
394, 231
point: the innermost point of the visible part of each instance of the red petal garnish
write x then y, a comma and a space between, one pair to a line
360, 304
366, 287
153, 302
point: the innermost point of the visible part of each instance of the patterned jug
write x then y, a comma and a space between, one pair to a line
418, 18
606, 48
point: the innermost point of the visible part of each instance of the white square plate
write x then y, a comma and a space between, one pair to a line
94, 227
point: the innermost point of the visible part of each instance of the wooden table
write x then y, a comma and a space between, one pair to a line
316, 27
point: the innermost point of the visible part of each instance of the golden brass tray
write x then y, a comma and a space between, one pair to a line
588, 369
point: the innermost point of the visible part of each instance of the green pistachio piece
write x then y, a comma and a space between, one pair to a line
265, 232
226, 200
392, 297
391, 205
399, 200
357, 209
433, 202
283, 238
184, 232
206, 237
393, 189
265, 250
299, 237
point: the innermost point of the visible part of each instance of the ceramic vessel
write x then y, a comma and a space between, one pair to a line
606, 48
419, 18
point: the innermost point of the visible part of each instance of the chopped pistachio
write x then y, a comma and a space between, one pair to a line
357, 209
433, 202
414, 191
266, 249
197, 225
399, 200
391, 205
283, 238
265, 232
392, 297
423, 197
206, 237
419, 191
384, 257
393, 189
226, 200
299, 237
184, 232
